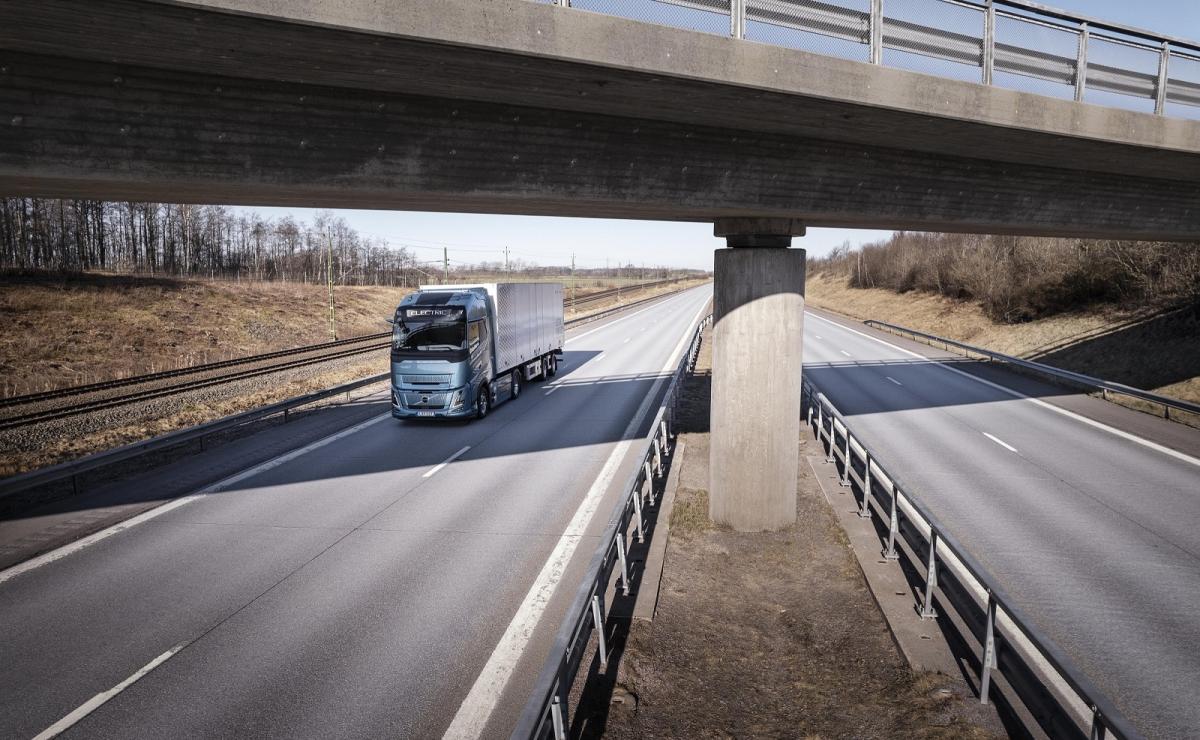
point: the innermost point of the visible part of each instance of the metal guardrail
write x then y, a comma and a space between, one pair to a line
1106, 387
1016, 39
1060, 698
546, 715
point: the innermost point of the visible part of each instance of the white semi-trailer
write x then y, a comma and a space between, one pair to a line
457, 350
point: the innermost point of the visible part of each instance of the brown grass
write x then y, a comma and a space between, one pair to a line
95, 327
1071, 338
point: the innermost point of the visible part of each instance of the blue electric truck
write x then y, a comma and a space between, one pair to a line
458, 350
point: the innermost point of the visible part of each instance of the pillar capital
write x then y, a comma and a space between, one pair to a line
741, 231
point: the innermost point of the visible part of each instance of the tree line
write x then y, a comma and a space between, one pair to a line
68, 236
1017, 278
65, 236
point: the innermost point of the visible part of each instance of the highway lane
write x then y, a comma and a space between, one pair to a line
1094, 535
356, 590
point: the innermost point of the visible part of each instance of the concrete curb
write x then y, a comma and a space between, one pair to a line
921, 642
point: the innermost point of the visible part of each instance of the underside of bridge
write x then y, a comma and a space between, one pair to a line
510, 106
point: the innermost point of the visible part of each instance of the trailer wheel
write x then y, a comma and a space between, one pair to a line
551, 365
483, 403
516, 383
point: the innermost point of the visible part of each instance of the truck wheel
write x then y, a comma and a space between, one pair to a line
483, 403
516, 383
552, 366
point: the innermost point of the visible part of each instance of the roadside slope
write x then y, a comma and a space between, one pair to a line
1154, 351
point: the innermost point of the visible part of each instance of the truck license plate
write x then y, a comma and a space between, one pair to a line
424, 413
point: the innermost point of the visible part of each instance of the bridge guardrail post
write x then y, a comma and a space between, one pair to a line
876, 29
1081, 63
989, 41
737, 19
1160, 90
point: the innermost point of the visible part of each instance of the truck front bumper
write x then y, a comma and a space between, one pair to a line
456, 403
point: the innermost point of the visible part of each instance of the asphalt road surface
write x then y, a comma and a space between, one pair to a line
1096, 535
357, 588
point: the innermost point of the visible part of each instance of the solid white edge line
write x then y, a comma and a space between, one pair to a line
99, 700
1000, 442
433, 471
897, 382
481, 700
74, 547
1184, 457
844, 352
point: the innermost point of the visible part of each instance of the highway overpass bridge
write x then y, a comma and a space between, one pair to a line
514, 106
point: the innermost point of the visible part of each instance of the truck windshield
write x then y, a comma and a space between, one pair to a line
439, 330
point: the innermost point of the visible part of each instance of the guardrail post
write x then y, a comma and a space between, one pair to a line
737, 19
285, 415
598, 620
649, 480
624, 566
845, 481
563, 3
989, 42
876, 29
927, 610
865, 511
556, 708
989, 650
1099, 731
637, 512
1081, 63
1160, 92
889, 552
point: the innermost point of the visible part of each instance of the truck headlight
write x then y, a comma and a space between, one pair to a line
456, 401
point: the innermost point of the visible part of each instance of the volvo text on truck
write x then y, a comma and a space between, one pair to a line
458, 350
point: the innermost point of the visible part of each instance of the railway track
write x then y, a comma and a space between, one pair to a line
16, 412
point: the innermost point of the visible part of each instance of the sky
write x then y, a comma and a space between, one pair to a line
598, 242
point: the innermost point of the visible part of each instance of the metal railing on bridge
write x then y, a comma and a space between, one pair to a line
1008, 43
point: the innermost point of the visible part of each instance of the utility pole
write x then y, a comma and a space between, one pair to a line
329, 282
506, 260
445, 265
572, 278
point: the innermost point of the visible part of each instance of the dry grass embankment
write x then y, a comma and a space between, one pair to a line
1143, 348
80, 329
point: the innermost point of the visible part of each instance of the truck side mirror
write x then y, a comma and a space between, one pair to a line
390, 321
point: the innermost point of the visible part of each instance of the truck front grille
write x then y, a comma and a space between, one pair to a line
426, 379
418, 400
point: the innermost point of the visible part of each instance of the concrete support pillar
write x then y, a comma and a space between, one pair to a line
758, 333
